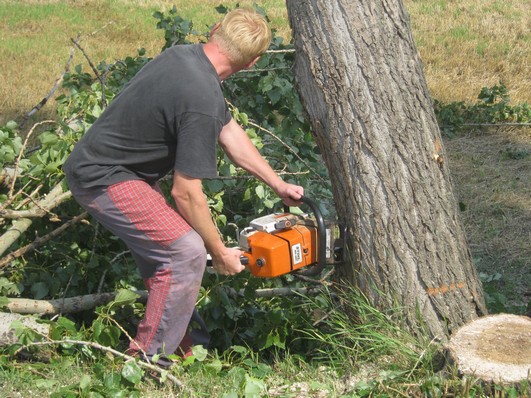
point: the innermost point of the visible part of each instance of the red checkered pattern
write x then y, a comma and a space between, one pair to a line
148, 210
158, 287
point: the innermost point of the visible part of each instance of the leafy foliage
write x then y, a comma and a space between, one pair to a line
89, 259
493, 106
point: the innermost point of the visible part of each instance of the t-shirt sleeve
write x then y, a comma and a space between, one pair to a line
197, 137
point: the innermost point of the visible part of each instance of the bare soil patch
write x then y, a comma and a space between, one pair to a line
491, 169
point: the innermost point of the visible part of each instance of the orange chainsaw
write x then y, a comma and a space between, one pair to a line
283, 243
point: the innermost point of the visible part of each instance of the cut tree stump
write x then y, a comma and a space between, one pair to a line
494, 348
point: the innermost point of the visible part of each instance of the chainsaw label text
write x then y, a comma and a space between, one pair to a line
296, 253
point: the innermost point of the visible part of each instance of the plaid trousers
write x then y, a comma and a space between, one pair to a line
170, 256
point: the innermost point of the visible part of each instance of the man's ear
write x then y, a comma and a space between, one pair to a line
252, 63
213, 30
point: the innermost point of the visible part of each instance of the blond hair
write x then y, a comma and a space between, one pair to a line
243, 35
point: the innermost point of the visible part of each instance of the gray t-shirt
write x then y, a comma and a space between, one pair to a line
168, 116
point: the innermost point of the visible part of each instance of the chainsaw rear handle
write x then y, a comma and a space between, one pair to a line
243, 260
321, 236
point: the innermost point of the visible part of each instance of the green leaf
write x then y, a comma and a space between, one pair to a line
97, 328
48, 138
199, 352
4, 301
39, 290
132, 372
45, 384
124, 297
214, 367
84, 383
253, 387
67, 324
110, 336
112, 380
240, 349
11, 125
260, 192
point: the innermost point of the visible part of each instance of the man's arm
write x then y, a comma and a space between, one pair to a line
240, 149
193, 206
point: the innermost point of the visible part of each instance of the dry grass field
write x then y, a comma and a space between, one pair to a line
465, 45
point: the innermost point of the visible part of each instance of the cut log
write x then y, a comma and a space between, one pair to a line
71, 305
494, 348
67, 305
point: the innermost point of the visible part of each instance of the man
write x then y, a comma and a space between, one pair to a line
170, 116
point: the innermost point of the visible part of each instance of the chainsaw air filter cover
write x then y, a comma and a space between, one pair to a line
278, 244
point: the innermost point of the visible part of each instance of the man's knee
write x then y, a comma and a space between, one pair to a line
190, 249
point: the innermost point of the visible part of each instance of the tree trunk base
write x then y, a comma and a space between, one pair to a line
494, 348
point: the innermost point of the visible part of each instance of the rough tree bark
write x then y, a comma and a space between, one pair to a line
362, 84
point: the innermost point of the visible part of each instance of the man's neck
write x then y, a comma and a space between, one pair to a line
220, 61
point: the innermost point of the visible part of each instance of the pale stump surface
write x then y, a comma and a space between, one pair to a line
495, 348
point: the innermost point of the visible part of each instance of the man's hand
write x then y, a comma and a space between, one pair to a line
290, 193
227, 262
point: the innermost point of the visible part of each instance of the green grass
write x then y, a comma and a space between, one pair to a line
367, 353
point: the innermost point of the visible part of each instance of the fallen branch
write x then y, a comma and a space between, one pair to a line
36, 212
119, 354
55, 197
82, 303
67, 305
41, 240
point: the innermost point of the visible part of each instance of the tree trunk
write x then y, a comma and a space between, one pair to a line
362, 84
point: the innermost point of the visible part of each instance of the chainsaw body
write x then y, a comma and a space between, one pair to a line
282, 243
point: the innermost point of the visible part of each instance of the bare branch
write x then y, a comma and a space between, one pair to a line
41, 240
288, 147
12, 188
112, 351
38, 211
55, 197
95, 70
59, 80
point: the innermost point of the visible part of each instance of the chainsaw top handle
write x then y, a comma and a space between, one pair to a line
321, 236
